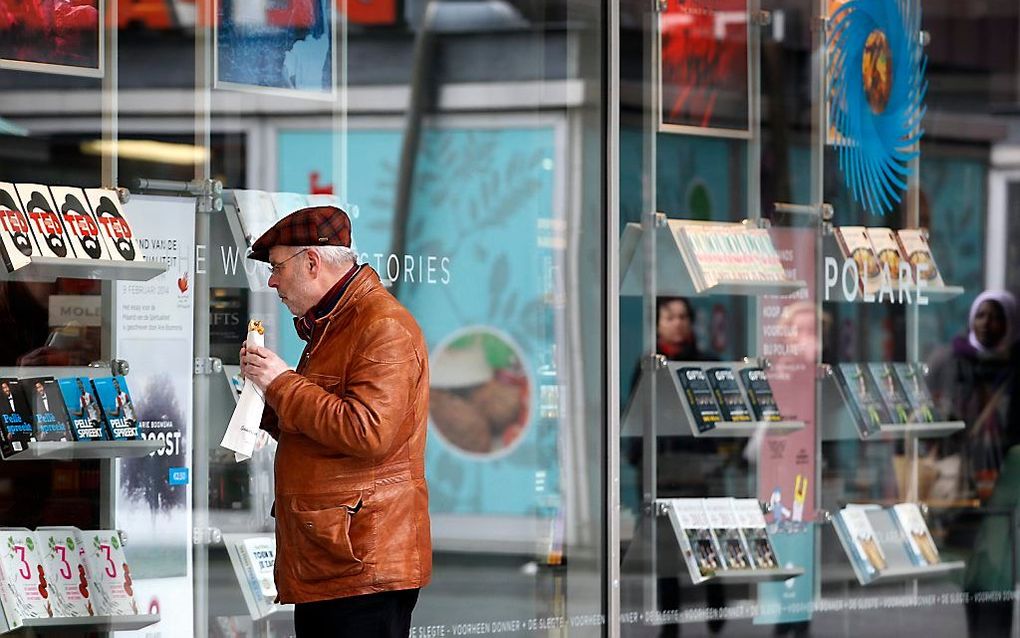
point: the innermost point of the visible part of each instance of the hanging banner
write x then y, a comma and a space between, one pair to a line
154, 328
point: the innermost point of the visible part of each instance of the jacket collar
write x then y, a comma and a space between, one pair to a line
306, 324
364, 281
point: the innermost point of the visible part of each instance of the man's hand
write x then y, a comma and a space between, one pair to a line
261, 366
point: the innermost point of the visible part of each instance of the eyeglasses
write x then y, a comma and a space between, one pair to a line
274, 269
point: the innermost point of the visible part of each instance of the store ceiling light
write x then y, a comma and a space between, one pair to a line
148, 151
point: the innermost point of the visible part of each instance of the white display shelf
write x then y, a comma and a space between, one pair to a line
916, 572
674, 267
81, 626
673, 414
752, 576
893, 431
71, 450
51, 268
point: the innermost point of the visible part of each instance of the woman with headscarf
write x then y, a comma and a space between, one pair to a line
974, 381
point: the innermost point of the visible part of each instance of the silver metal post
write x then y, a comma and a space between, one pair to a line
612, 334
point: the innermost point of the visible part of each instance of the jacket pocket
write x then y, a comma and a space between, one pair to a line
328, 539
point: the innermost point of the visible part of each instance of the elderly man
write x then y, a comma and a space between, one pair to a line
352, 524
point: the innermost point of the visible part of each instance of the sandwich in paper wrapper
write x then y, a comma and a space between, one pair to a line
243, 429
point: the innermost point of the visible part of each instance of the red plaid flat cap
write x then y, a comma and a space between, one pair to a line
314, 226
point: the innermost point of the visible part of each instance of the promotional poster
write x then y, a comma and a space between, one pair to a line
155, 335
56, 36
285, 47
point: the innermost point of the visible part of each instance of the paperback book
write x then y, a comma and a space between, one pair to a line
891, 261
922, 406
920, 545
891, 391
759, 395
17, 245
50, 235
82, 409
113, 589
695, 536
80, 223
752, 525
49, 416
723, 522
24, 591
865, 552
63, 557
914, 243
117, 408
728, 395
15, 418
699, 397
113, 225
854, 244
863, 397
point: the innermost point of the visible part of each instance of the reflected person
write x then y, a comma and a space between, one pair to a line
352, 524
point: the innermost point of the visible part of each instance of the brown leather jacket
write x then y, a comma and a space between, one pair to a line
351, 501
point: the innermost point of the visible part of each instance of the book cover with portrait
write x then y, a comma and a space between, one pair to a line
49, 232
80, 223
114, 226
83, 410
49, 416
15, 418
117, 408
17, 245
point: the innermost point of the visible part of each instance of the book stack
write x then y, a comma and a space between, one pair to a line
730, 252
885, 394
717, 396
717, 535
42, 409
64, 223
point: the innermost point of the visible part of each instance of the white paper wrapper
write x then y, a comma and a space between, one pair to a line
243, 429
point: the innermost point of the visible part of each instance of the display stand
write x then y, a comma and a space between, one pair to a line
74, 450
846, 429
676, 270
899, 565
52, 268
673, 413
78, 626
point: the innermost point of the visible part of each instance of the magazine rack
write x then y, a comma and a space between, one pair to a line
846, 428
677, 271
673, 413
900, 567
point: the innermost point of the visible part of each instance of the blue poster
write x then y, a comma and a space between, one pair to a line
789, 600
480, 273
287, 47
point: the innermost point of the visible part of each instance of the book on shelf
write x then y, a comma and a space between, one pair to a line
914, 242
864, 549
751, 522
728, 395
920, 545
64, 562
922, 406
80, 223
47, 228
117, 408
17, 243
24, 590
15, 418
730, 252
863, 397
723, 522
50, 421
113, 588
82, 409
854, 244
889, 388
892, 263
699, 396
759, 395
114, 225
701, 555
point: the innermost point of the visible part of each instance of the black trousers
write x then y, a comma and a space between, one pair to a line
383, 615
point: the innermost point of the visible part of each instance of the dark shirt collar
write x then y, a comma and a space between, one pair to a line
305, 324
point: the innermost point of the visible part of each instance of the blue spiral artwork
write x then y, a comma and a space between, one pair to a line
876, 96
